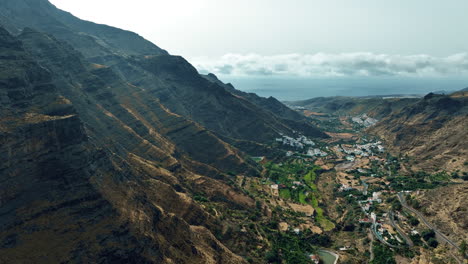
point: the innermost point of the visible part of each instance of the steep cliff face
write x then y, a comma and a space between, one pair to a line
126, 113
106, 140
92, 40
171, 79
89, 176
273, 107
433, 131
271, 104
179, 87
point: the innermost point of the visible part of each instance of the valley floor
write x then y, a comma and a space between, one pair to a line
331, 194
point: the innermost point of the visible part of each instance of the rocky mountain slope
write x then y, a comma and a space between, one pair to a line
377, 107
271, 104
89, 175
432, 131
92, 40
446, 207
171, 79
107, 140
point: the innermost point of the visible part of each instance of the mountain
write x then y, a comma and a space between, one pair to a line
271, 104
171, 79
461, 93
93, 170
92, 40
107, 141
377, 107
432, 131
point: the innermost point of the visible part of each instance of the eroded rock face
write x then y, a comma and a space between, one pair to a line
70, 193
105, 140
90, 39
171, 79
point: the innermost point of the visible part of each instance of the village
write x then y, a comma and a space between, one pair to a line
364, 175
341, 198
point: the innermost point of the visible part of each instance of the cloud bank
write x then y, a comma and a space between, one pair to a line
336, 65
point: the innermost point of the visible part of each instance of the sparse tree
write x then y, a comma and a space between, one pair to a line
463, 248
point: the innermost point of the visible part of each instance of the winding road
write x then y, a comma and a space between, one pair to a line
398, 229
423, 219
380, 238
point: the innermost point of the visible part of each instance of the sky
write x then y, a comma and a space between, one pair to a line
315, 38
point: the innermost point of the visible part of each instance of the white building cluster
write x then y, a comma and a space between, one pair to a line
364, 150
364, 120
299, 142
316, 152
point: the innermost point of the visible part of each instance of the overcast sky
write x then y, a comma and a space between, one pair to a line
368, 37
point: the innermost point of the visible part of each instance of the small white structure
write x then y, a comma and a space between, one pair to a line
316, 152
374, 217
344, 188
376, 197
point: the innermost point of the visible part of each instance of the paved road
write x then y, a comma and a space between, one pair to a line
398, 229
371, 246
423, 219
380, 238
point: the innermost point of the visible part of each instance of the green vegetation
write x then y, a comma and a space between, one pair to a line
440, 177
418, 180
428, 234
285, 194
200, 197
310, 178
416, 238
289, 248
302, 198
307, 193
395, 203
413, 220
382, 255
432, 242
463, 248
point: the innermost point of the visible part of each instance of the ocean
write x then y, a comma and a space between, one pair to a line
291, 89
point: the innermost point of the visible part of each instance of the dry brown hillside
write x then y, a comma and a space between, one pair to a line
447, 209
432, 131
